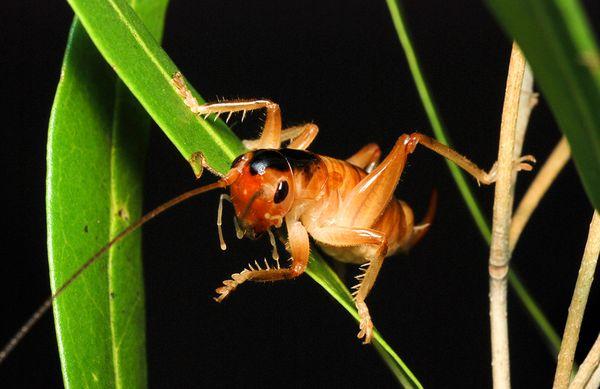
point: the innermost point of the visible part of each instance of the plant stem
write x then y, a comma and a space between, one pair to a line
594, 381
578, 303
546, 176
588, 368
525, 297
499, 250
528, 99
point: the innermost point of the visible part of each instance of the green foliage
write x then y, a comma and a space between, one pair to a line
83, 133
558, 42
97, 141
96, 145
129, 48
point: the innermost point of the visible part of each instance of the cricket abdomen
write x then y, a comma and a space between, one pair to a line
336, 179
396, 223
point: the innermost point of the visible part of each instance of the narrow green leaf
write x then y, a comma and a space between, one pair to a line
147, 71
326, 277
558, 42
524, 296
96, 146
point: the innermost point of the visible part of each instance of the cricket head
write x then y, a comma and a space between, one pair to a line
262, 193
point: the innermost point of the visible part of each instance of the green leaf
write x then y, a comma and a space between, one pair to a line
529, 303
558, 42
147, 71
96, 146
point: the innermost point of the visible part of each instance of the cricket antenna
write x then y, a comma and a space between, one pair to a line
26, 328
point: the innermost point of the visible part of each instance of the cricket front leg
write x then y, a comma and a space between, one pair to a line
300, 249
271, 134
346, 237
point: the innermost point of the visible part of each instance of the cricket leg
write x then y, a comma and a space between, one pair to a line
367, 200
480, 175
271, 134
348, 236
300, 136
300, 249
366, 158
307, 134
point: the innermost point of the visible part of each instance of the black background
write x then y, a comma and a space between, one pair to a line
338, 64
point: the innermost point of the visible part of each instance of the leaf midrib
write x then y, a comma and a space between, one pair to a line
113, 221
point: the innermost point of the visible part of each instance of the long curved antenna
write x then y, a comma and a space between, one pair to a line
25, 328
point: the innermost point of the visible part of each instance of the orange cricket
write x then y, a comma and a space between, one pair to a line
346, 206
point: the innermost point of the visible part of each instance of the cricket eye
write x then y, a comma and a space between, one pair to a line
281, 192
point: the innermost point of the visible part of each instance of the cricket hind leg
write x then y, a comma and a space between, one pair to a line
365, 283
271, 134
300, 249
482, 177
367, 200
345, 237
366, 158
369, 197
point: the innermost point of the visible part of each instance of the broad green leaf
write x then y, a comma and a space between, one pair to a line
558, 42
529, 303
96, 146
147, 71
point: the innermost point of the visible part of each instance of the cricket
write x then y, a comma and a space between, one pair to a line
346, 206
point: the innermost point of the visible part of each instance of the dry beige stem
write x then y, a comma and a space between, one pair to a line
594, 382
527, 101
588, 368
546, 176
499, 250
578, 303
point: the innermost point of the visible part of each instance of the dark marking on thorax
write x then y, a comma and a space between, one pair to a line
281, 159
299, 159
267, 158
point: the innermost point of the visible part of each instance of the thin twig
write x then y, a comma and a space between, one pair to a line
546, 176
499, 252
578, 303
594, 382
527, 101
588, 367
